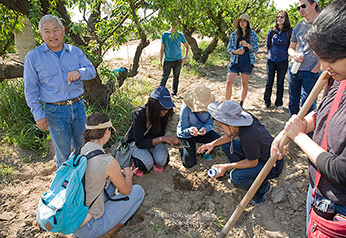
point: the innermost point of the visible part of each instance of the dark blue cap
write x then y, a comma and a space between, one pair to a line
162, 95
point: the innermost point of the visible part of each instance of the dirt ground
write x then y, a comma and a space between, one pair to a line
179, 202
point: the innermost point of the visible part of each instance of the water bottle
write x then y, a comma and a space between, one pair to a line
213, 172
296, 65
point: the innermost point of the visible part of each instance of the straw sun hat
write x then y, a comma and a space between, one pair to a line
199, 99
242, 17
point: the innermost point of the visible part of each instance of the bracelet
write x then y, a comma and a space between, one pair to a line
185, 57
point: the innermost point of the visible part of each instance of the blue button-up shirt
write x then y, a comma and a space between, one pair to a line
277, 45
45, 76
232, 45
188, 119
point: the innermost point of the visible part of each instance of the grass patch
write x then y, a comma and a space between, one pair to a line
16, 121
5, 170
18, 126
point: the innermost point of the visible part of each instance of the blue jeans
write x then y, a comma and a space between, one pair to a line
167, 67
245, 177
66, 125
338, 208
188, 154
281, 69
300, 86
115, 212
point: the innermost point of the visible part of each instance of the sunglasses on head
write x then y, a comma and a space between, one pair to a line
301, 6
280, 17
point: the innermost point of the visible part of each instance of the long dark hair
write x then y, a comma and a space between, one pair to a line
240, 32
158, 123
287, 25
93, 120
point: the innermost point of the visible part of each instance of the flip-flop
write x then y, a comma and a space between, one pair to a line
158, 169
137, 172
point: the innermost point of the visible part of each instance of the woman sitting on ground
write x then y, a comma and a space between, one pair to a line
195, 124
149, 123
105, 217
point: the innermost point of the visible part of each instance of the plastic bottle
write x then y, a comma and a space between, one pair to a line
213, 172
296, 65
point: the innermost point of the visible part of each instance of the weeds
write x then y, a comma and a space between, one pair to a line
16, 121
5, 170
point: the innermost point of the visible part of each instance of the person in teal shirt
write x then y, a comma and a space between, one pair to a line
171, 47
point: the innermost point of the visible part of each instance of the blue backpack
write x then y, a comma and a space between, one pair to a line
62, 209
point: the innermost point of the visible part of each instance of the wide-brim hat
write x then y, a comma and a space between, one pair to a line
230, 113
199, 99
162, 95
244, 17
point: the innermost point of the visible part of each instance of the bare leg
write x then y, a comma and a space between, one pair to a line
229, 83
112, 233
244, 86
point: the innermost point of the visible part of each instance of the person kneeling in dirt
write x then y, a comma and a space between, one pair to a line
248, 155
195, 123
149, 123
105, 217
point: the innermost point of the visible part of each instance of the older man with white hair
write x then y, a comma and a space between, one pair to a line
53, 74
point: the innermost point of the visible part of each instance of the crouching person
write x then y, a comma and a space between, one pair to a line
105, 216
247, 155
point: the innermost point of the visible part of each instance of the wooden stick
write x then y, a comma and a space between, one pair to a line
321, 82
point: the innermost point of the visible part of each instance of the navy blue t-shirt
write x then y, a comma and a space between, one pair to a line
255, 141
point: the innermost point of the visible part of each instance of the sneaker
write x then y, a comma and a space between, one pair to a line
280, 107
265, 106
137, 172
158, 169
255, 201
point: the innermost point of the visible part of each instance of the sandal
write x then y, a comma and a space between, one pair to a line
136, 171
158, 169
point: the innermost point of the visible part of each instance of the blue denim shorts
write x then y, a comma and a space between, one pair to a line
240, 68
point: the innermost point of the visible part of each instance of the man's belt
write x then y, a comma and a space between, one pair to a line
68, 102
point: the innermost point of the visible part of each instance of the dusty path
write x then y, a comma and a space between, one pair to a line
179, 202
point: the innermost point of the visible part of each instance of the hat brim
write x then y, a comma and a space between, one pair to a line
238, 19
167, 103
197, 106
244, 120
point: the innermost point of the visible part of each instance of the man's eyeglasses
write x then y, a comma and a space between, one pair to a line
301, 6
280, 17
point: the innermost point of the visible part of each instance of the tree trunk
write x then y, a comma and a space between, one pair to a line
142, 44
96, 93
196, 51
211, 47
24, 40
11, 69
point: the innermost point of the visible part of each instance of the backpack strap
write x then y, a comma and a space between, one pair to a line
94, 153
90, 155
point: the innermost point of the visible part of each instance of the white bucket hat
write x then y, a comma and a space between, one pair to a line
230, 113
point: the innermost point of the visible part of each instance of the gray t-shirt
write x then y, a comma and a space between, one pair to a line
298, 36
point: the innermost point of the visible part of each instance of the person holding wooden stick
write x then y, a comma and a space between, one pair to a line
327, 149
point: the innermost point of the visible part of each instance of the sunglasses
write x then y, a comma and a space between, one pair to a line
165, 109
280, 17
301, 6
